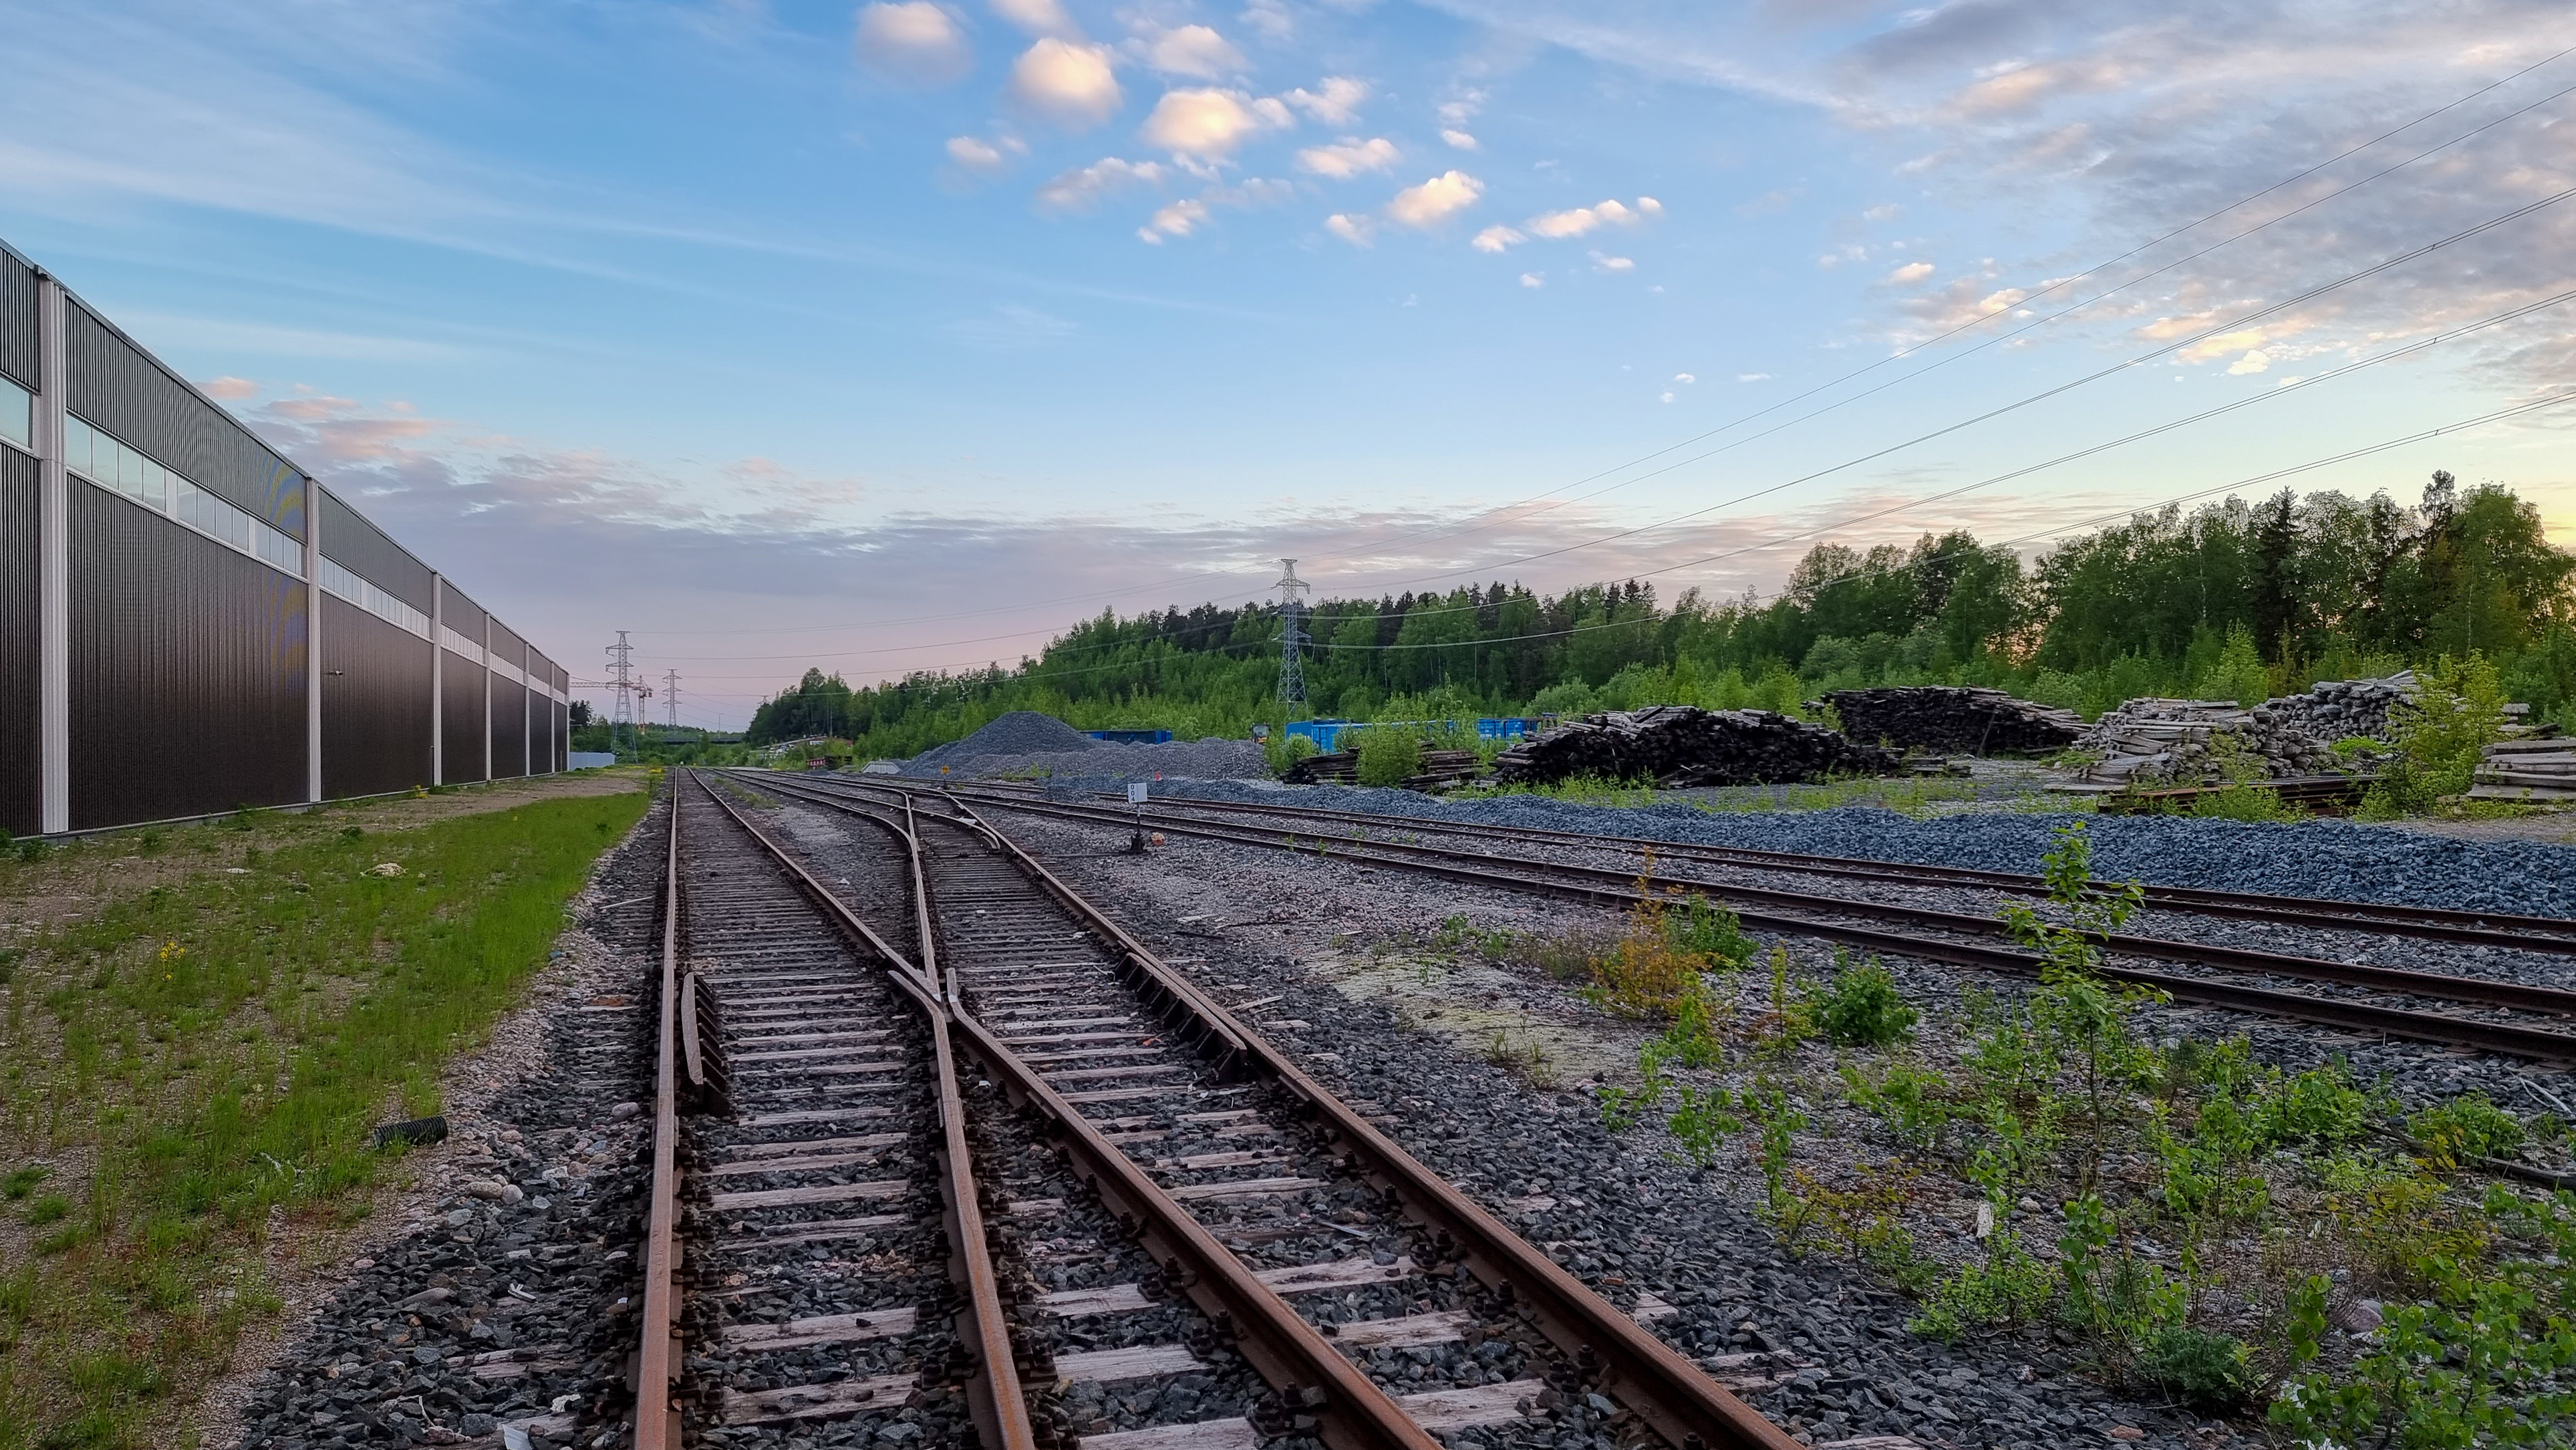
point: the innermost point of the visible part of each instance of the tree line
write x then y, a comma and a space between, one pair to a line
2234, 598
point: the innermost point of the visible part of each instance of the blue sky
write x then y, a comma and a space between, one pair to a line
896, 335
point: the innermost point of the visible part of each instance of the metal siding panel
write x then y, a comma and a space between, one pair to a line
509, 729
375, 704
121, 388
351, 542
21, 788
187, 670
507, 647
461, 718
563, 737
462, 614
20, 355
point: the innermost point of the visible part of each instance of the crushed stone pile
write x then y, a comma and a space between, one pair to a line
1026, 742
1684, 745
1963, 720
2342, 709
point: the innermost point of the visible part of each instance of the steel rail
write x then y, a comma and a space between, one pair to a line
2438, 985
2549, 934
1288, 1352
996, 1400
1654, 1381
1570, 882
656, 1428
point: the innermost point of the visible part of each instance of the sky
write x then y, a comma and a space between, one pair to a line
901, 335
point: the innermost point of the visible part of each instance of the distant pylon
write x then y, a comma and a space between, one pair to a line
620, 678
671, 695
1292, 613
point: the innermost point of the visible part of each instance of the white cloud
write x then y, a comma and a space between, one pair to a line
1684, 378
229, 389
1081, 190
1038, 17
914, 41
1459, 140
1348, 157
1666, 397
1909, 273
1174, 220
1071, 85
1533, 279
1753, 377
1193, 50
1336, 103
1557, 225
1495, 239
1885, 211
1209, 124
1271, 18
2254, 361
1359, 231
976, 154
1601, 262
1436, 200
1463, 108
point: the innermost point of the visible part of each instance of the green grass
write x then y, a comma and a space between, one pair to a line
217, 1048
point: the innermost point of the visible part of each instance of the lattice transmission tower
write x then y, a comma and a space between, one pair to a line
1292, 634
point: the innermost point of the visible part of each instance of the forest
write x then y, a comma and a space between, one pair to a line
2232, 599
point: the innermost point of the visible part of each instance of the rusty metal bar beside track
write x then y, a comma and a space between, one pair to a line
1658, 1384
656, 1427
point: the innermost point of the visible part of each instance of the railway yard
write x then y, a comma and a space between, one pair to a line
978, 1114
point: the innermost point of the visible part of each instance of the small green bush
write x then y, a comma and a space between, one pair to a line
2212, 1372
2319, 1107
1862, 1008
1389, 757
1711, 931
2467, 1127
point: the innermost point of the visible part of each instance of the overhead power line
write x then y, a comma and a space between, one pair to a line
1854, 374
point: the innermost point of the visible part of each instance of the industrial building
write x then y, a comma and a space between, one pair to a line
190, 624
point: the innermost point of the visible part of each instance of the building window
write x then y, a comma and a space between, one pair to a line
97, 456
375, 601
17, 415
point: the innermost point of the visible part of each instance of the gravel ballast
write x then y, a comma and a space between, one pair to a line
2336, 860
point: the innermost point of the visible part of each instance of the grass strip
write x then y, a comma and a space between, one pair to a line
199, 1066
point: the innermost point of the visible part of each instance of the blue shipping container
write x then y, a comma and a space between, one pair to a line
1131, 737
1327, 733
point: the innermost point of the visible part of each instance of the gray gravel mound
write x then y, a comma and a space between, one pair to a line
1021, 732
2336, 860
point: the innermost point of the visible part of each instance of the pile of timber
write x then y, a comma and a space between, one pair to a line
1684, 745
1342, 767
2529, 769
2346, 709
1440, 770
2155, 742
1965, 720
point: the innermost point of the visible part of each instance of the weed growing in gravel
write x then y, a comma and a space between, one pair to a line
1862, 1008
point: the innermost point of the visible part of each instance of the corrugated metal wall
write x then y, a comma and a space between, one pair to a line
20, 785
375, 703
119, 387
509, 728
20, 356
187, 670
349, 541
462, 614
460, 719
563, 737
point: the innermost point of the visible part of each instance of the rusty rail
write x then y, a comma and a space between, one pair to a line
656, 1427
995, 1398
1661, 1386
1611, 888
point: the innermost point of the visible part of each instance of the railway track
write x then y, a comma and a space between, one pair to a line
938, 1141
1914, 931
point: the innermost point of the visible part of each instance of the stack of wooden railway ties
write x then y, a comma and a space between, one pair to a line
2535, 769
1684, 745
1441, 770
